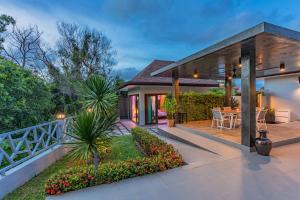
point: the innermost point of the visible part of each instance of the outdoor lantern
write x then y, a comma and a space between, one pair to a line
90, 110
240, 62
229, 78
60, 116
282, 66
195, 75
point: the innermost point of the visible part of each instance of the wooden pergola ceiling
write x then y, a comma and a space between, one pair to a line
273, 45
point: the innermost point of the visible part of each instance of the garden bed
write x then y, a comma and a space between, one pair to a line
160, 156
121, 148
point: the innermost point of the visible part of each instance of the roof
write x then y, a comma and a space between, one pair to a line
145, 78
267, 35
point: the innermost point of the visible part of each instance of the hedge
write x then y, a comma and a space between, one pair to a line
160, 156
198, 105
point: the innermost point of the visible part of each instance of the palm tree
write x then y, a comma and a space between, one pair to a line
98, 93
88, 129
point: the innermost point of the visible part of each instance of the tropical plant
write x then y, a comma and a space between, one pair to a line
170, 105
98, 93
90, 131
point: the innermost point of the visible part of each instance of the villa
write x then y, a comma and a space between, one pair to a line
146, 93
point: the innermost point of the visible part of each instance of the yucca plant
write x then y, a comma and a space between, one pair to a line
89, 131
98, 94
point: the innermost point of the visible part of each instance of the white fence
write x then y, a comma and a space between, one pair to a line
21, 145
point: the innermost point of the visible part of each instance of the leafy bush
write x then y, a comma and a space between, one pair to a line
25, 98
161, 156
170, 105
198, 105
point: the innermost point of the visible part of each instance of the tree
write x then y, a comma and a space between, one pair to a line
25, 98
5, 20
90, 132
98, 93
92, 127
22, 46
80, 53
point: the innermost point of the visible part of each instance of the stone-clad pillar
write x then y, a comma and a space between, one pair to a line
248, 80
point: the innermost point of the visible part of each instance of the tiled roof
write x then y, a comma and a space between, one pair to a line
145, 78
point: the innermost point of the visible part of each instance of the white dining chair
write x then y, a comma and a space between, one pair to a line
219, 119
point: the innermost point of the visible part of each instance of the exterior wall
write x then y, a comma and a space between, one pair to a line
148, 89
284, 93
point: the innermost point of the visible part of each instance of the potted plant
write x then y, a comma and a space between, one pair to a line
170, 105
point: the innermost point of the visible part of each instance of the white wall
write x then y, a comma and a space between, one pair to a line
142, 90
284, 93
22, 173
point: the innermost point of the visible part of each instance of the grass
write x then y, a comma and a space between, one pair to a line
122, 148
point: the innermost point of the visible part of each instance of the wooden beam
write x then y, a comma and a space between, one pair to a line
175, 85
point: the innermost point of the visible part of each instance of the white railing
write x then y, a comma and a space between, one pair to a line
20, 145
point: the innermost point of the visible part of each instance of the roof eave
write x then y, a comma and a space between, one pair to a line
263, 27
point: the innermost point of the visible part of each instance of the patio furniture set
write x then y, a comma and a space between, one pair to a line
232, 117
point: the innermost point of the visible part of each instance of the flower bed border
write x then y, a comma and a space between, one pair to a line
160, 156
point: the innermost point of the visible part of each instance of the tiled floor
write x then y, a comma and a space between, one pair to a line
277, 132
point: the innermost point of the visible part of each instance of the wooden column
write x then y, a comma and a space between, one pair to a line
175, 85
228, 88
248, 80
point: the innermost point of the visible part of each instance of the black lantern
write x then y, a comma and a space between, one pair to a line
282, 66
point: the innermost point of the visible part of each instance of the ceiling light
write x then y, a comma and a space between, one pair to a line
195, 75
282, 66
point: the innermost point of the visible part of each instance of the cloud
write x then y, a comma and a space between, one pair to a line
143, 30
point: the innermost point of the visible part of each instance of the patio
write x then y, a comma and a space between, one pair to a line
265, 51
279, 133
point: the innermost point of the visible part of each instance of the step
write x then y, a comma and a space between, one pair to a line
202, 142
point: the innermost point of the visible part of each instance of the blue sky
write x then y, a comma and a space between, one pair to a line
143, 30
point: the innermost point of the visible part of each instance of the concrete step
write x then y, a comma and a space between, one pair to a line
202, 142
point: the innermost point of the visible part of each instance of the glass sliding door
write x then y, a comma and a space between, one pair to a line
134, 108
151, 111
155, 114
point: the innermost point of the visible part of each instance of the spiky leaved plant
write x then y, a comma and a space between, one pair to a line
89, 130
98, 94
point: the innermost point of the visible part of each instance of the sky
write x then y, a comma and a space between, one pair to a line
144, 30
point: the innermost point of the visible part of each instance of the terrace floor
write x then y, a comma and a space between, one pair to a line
277, 132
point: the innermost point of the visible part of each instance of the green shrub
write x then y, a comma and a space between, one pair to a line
161, 156
198, 105
25, 98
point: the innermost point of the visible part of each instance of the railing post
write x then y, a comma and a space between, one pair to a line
60, 130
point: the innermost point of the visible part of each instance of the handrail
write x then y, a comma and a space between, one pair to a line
20, 145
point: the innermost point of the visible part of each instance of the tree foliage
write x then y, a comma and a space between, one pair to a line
5, 20
98, 93
25, 98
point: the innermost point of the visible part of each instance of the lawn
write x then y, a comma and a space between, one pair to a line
122, 148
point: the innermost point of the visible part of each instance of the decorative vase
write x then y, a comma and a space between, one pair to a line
171, 122
263, 145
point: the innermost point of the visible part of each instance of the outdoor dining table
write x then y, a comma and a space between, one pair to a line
231, 114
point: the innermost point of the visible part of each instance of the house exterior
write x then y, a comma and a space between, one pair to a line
146, 94
282, 93
265, 51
